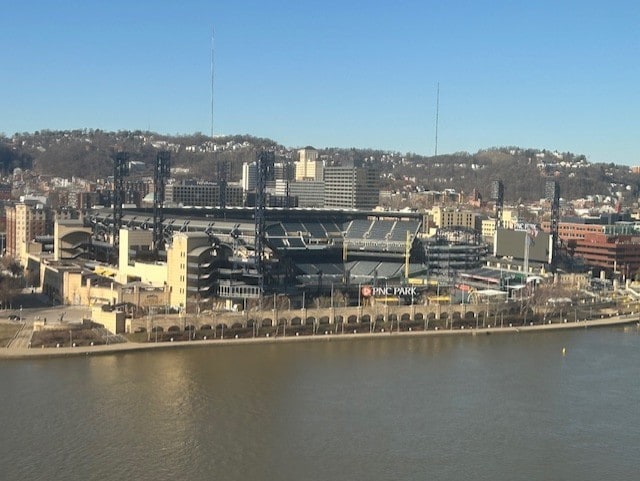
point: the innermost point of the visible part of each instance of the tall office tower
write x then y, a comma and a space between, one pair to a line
351, 186
308, 167
249, 176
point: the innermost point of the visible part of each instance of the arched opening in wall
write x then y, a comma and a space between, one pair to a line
444, 316
251, 323
236, 325
282, 321
296, 321
206, 327
323, 320
338, 319
352, 319
189, 328
406, 317
266, 323
419, 317
393, 317
157, 329
431, 316
365, 319
469, 316
379, 318
310, 321
141, 329
173, 329
456, 316
221, 325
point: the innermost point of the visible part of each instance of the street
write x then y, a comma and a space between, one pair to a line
34, 307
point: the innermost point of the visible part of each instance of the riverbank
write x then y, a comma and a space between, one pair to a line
22, 353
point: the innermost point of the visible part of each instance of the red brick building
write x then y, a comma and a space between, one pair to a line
613, 253
609, 246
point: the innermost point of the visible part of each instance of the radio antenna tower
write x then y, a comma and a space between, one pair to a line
437, 117
213, 36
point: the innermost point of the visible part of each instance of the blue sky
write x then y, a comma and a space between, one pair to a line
559, 75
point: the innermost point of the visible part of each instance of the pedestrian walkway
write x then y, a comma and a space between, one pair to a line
22, 339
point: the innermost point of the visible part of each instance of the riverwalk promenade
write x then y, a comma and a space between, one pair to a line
23, 352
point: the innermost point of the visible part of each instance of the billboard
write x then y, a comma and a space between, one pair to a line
510, 243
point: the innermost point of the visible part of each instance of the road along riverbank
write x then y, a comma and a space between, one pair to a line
22, 353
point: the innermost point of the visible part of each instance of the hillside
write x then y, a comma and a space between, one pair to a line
88, 153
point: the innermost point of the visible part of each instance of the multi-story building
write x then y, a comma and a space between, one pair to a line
87, 200
488, 229
580, 227
249, 176
25, 222
612, 253
351, 187
444, 217
203, 194
136, 190
308, 167
430, 197
278, 187
284, 171
309, 193
608, 242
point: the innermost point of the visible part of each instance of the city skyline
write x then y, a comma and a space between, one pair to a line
332, 74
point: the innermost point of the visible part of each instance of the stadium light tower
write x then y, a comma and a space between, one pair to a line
497, 195
552, 194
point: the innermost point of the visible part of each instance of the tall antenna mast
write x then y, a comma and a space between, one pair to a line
437, 115
213, 35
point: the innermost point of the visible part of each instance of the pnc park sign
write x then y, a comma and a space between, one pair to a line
400, 291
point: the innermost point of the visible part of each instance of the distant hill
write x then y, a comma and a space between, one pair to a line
88, 153
524, 173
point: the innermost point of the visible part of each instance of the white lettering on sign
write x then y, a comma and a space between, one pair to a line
394, 291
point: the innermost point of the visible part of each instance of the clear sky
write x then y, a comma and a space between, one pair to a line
548, 74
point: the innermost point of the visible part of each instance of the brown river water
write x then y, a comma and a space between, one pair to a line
498, 407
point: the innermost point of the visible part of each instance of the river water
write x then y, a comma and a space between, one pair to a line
499, 407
